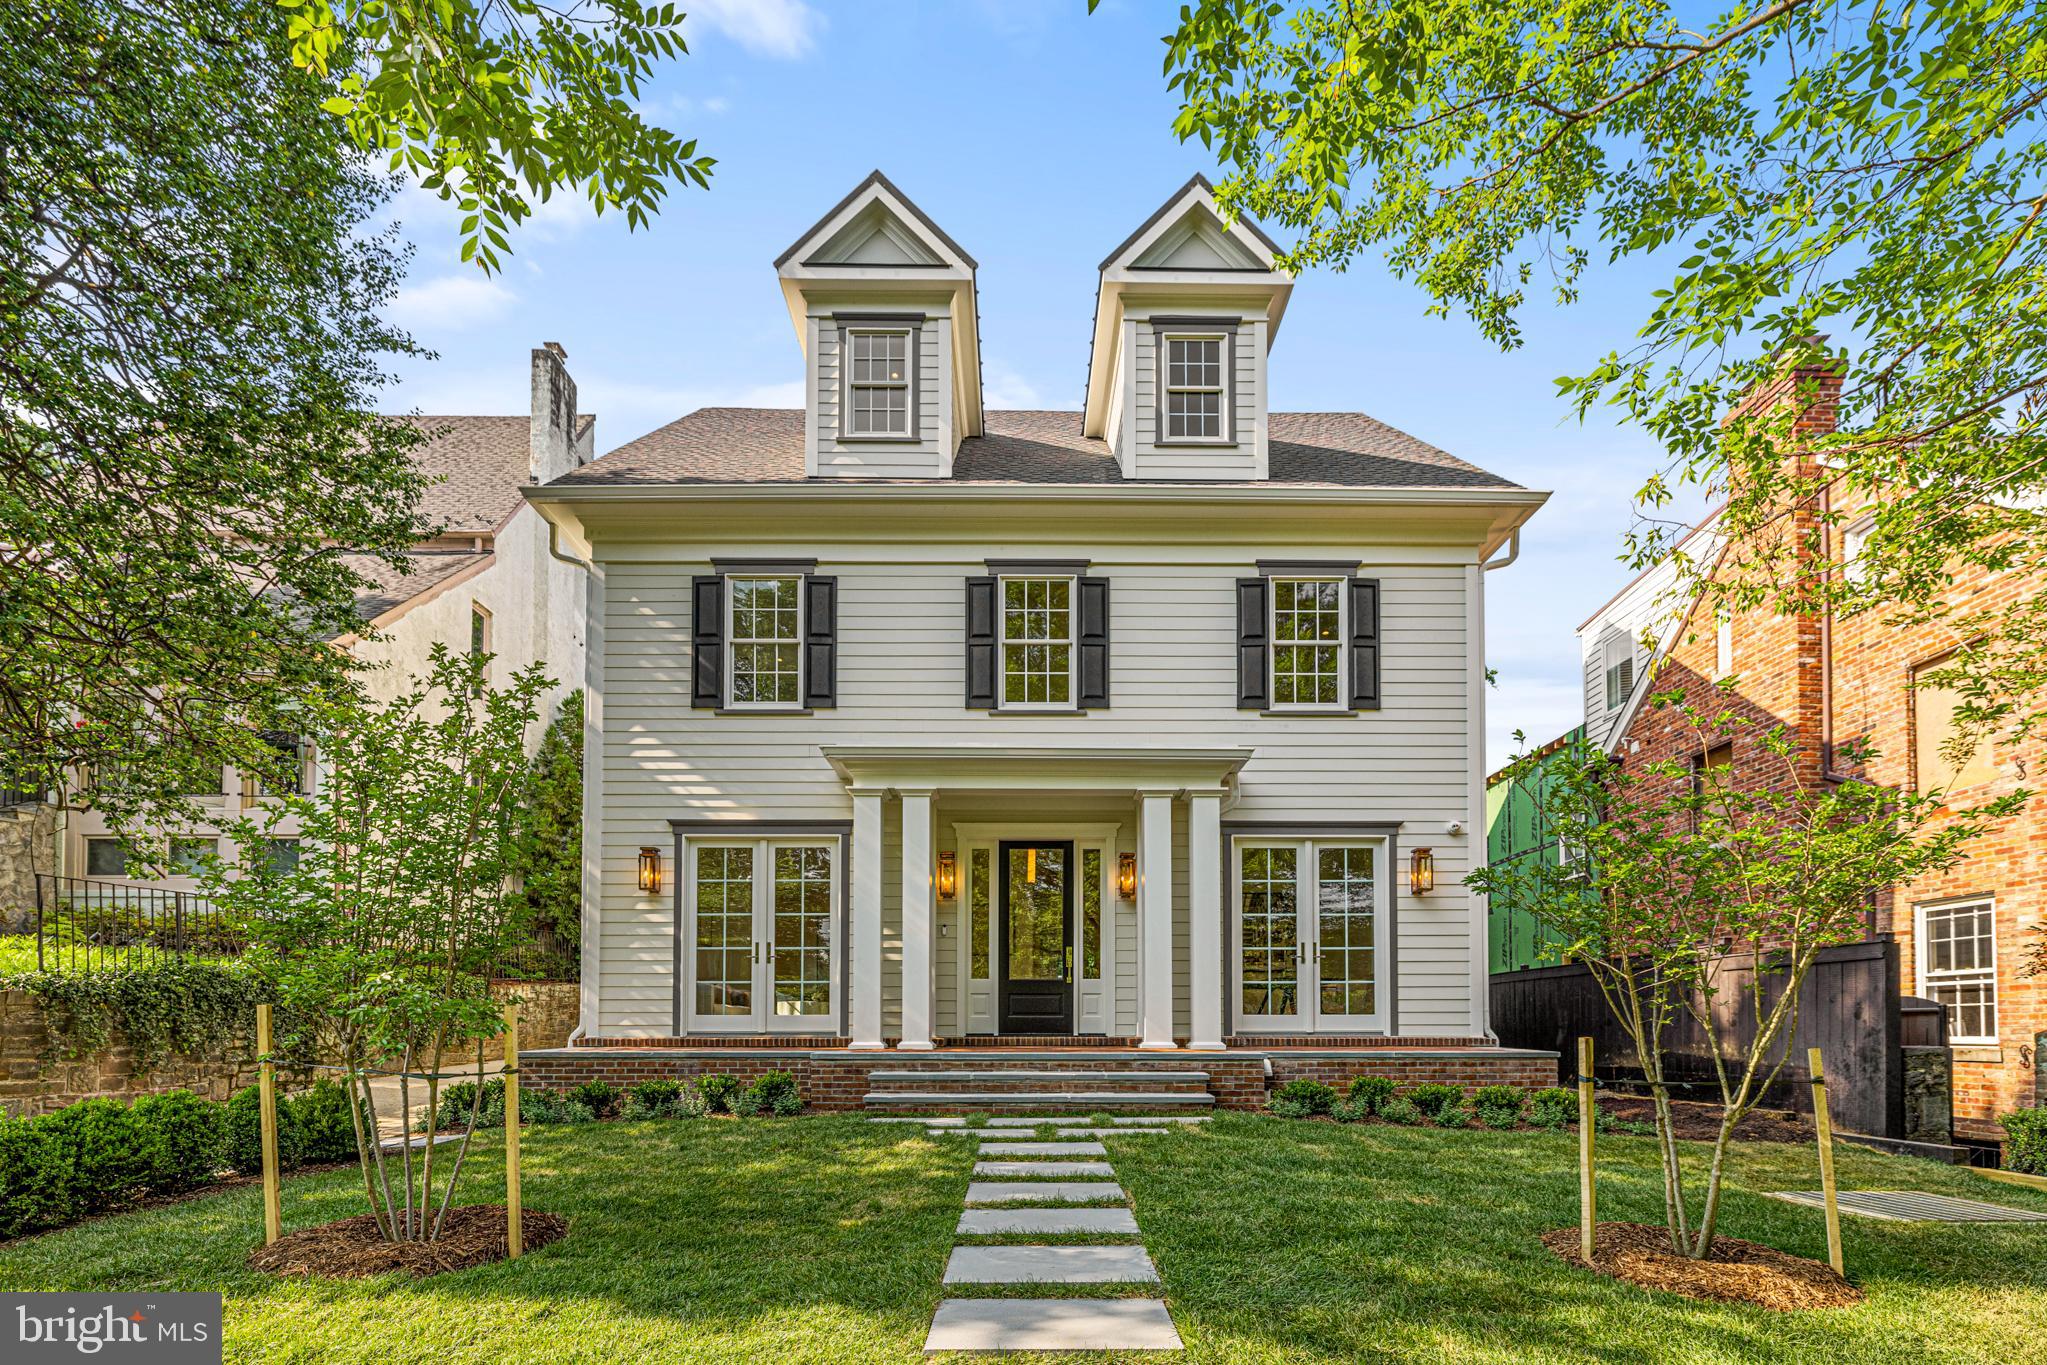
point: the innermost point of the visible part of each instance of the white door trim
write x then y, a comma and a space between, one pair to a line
988, 835
762, 1017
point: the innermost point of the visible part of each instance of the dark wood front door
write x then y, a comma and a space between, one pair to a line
1036, 981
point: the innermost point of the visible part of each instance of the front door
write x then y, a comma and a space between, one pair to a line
1036, 977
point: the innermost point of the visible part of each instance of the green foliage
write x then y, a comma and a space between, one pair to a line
718, 1090
1499, 1106
189, 294
1301, 1097
1400, 1110
654, 1097
2025, 1140
1433, 1097
496, 104
1371, 1091
1350, 1111
170, 1008
1453, 1116
775, 1092
321, 1116
547, 845
599, 1097
109, 1150
38, 1182
745, 1103
242, 1141
1553, 1107
453, 1111
182, 1135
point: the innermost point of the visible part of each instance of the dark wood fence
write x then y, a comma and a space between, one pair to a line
1849, 1007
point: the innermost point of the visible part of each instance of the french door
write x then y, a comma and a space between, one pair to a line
758, 920
1309, 923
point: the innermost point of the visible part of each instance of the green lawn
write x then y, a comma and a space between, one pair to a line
822, 1239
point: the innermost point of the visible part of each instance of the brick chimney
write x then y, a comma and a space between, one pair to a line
555, 450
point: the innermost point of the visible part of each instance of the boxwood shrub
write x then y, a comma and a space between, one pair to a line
326, 1132
37, 1188
1297, 1099
718, 1091
1434, 1097
2025, 1141
1371, 1091
181, 1134
109, 1151
243, 1142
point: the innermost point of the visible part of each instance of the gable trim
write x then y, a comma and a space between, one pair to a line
876, 178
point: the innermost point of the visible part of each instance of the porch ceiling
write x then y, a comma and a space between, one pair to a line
993, 767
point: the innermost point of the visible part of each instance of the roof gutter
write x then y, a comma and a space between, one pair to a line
850, 491
1513, 552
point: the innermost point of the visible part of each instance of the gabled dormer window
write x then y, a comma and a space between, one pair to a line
880, 391
1196, 399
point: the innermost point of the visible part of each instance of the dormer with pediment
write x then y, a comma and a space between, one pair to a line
884, 305
1185, 314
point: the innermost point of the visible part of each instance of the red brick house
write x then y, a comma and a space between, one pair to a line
1965, 936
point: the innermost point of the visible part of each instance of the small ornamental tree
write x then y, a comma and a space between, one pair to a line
1678, 880
383, 935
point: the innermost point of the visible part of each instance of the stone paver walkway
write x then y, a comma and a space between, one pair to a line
1037, 1196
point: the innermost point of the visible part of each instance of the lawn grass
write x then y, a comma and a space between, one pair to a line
823, 1239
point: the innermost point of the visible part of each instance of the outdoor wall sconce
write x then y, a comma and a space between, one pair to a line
1126, 876
650, 870
948, 876
1421, 872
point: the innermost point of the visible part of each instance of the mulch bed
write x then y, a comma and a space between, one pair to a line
1737, 1271
1701, 1122
351, 1248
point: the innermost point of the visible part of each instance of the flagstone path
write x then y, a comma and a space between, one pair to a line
1028, 1187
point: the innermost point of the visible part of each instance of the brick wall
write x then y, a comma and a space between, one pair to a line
838, 1080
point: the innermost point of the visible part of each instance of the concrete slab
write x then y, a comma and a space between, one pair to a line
1148, 1120
935, 1121
1050, 1265
1048, 1220
1048, 1170
1070, 1134
1063, 1149
1011, 1191
1052, 1325
1028, 1121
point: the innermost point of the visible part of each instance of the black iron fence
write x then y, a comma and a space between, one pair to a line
84, 924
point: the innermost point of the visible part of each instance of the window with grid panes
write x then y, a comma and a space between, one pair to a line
1037, 642
765, 641
1307, 642
1958, 967
878, 383
1194, 388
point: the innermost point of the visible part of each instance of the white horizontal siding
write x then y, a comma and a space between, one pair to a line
923, 456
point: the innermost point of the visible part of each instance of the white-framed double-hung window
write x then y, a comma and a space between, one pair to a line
1958, 966
1308, 633
1196, 392
1036, 643
764, 640
879, 391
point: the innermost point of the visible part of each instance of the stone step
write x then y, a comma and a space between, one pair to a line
1068, 1134
1052, 1325
1144, 1120
1050, 1265
1037, 1075
929, 1120
1012, 1121
1048, 1170
1046, 1221
1039, 1191
1009, 1099
1053, 1149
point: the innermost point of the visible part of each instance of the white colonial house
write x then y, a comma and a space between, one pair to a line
927, 741
487, 583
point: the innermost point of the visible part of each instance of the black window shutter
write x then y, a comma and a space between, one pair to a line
707, 641
981, 643
1094, 642
820, 641
1253, 694
1364, 644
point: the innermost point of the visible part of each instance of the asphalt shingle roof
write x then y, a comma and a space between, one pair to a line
478, 465
765, 445
430, 569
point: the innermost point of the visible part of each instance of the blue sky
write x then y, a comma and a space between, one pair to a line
1038, 137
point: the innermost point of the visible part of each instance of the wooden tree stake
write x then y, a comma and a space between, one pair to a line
515, 1232
1824, 1122
266, 1080
1588, 1212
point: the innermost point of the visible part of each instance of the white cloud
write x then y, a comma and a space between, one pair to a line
449, 303
787, 29
1003, 387
716, 104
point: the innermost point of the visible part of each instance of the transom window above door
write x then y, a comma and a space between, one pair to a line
766, 641
878, 383
1194, 375
1037, 642
1307, 642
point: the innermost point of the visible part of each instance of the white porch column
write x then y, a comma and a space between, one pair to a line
1205, 919
866, 926
1155, 919
917, 922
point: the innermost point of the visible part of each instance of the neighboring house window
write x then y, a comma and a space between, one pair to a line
1723, 645
1712, 776
1958, 967
479, 640
1037, 642
288, 776
1195, 407
1852, 541
188, 856
1620, 673
1307, 642
878, 383
105, 858
283, 855
764, 631
1941, 759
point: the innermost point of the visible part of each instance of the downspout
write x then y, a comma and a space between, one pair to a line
1513, 552
555, 551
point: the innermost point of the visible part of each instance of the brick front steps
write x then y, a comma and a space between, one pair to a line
840, 1079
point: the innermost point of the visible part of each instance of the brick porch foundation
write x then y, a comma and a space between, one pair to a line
837, 1079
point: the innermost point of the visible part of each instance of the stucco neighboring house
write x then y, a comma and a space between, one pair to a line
1137, 749
488, 582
